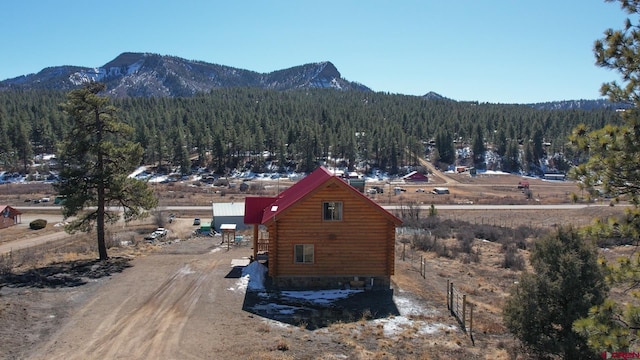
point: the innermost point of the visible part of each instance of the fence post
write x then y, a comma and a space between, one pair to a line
451, 298
473, 342
464, 311
448, 307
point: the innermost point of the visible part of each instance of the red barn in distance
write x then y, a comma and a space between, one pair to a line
415, 176
9, 216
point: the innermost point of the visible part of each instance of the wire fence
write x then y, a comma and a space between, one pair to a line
461, 308
458, 304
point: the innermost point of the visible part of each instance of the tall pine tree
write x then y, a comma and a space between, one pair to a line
95, 161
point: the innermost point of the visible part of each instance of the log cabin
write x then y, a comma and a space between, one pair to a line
322, 233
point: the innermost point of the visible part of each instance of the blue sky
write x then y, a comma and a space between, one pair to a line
499, 51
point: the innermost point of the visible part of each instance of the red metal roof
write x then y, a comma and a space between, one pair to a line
13, 210
254, 208
272, 207
415, 176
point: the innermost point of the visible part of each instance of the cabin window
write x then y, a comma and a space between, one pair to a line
332, 211
304, 254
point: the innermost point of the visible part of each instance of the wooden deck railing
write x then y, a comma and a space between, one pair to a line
263, 245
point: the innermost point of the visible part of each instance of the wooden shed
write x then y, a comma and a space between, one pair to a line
324, 233
9, 216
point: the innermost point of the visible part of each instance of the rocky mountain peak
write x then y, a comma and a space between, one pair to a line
133, 74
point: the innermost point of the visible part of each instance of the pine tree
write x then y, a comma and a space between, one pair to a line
567, 281
23, 145
478, 147
95, 160
612, 166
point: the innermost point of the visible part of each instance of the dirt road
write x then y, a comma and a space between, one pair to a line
178, 305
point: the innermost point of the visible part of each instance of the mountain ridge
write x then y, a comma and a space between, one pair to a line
133, 74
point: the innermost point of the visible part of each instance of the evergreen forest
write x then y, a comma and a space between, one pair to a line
266, 130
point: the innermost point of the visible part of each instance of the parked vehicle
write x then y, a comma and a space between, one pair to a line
196, 221
397, 190
440, 191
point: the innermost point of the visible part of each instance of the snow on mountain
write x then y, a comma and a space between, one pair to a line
153, 75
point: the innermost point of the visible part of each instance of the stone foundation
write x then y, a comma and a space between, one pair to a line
332, 282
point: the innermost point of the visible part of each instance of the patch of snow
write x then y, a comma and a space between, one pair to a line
322, 297
240, 262
185, 270
85, 76
493, 172
134, 67
277, 309
408, 307
394, 326
158, 178
138, 171
254, 275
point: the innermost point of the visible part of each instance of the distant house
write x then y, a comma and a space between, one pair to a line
323, 233
9, 216
415, 176
227, 213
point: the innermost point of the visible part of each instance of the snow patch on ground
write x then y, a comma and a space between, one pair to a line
185, 270
396, 325
408, 307
324, 297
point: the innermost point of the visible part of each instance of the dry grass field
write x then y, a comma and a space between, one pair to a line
41, 318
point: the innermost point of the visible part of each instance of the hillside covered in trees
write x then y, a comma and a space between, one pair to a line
248, 128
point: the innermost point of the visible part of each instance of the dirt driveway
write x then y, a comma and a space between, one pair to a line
174, 304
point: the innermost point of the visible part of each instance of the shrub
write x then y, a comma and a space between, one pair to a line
38, 224
423, 242
544, 304
513, 259
465, 240
6, 264
488, 232
282, 345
